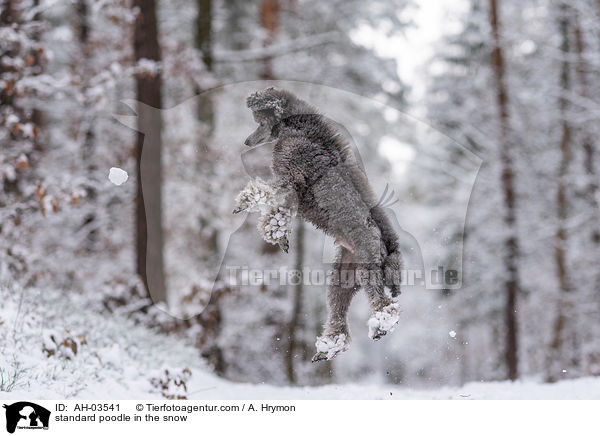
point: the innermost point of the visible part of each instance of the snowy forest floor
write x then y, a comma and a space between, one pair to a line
54, 345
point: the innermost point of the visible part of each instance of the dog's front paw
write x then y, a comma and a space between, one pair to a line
275, 227
254, 194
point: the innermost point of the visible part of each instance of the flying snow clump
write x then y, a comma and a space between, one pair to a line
117, 176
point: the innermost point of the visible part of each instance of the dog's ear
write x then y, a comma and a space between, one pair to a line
268, 99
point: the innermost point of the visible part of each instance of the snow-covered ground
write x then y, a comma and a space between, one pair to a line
53, 345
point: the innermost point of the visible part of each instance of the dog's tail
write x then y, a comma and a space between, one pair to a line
392, 264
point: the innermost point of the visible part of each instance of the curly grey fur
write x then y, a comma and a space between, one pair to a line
317, 175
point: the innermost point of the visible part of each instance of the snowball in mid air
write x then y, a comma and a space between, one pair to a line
452, 333
117, 176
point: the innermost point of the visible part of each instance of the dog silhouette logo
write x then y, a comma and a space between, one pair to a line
398, 147
26, 415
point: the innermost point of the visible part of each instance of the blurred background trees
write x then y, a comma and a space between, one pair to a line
541, 117
513, 84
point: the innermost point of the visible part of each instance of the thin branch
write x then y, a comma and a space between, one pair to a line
275, 50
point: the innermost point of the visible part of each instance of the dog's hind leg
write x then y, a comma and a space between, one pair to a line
336, 335
369, 257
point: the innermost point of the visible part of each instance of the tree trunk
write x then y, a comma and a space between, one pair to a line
235, 30
297, 307
212, 316
588, 142
511, 254
149, 236
37, 115
557, 354
203, 41
82, 67
204, 31
269, 20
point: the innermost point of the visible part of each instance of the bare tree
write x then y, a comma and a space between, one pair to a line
297, 306
588, 143
207, 156
211, 318
82, 65
270, 17
269, 20
560, 329
149, 236
511, 244
203, 42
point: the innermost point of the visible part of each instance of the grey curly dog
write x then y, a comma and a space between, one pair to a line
317, 177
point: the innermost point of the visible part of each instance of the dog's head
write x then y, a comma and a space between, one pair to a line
268, 108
